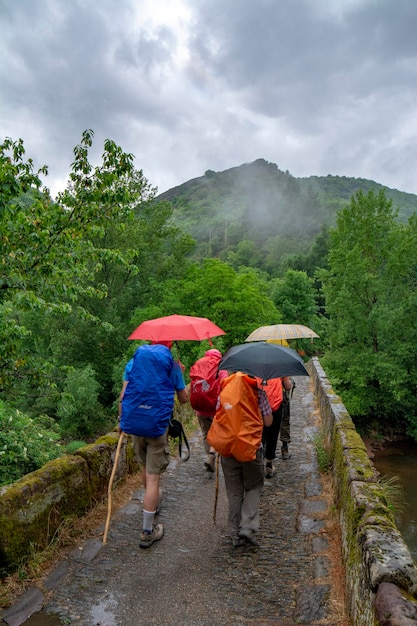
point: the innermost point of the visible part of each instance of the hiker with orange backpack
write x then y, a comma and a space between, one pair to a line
236, 434
204, 393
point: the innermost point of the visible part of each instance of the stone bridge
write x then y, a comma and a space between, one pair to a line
194, 576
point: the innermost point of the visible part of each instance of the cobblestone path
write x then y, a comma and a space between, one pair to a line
194, 576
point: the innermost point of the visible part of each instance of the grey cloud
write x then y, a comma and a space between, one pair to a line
323, 86
294, 50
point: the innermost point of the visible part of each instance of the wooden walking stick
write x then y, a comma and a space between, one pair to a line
109, 489
217, 488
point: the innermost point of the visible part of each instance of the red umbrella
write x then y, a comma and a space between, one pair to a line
177, 328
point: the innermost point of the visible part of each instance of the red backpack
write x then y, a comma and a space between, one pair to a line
204, 384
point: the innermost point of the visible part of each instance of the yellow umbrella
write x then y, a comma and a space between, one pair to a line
280, 342
281, 331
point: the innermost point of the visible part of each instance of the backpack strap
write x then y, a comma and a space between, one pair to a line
183, 437
176, 431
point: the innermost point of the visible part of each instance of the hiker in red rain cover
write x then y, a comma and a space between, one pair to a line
204, 391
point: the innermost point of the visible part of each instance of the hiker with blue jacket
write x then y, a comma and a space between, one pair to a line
146, 404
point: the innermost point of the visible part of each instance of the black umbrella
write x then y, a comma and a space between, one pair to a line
264, 360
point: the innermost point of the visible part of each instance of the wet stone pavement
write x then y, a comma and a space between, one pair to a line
194, 576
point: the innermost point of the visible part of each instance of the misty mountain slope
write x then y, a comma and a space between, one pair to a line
258, 202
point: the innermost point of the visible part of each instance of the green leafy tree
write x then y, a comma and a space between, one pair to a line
295, 296
72, 270
79, 409
315, 258
280, 250
237, 301
247, 255
160, 251
368, 289
26, 444
47, 255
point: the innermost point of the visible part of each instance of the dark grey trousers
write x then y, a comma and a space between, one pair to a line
244, 482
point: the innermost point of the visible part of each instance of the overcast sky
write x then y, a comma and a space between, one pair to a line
316, 86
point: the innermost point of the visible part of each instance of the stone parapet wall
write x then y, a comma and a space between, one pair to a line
33, 508
381, 576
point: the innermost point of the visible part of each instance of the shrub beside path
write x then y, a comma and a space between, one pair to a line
194, 576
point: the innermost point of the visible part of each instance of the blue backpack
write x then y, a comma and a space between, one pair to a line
148, 400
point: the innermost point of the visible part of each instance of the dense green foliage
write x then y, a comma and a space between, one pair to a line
25, 444
371, 299
71, 273
237, 301
247, 247
296, 297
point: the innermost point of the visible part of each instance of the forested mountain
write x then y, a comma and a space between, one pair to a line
258, 202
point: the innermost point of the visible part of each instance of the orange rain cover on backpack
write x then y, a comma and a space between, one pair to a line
274, 392
237, 427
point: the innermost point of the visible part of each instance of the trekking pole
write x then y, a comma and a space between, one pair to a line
217, 488
109, 489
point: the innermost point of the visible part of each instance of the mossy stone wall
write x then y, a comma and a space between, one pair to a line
32, 508
374, 551
381, 577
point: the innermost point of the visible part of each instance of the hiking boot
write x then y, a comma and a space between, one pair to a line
284, 451
237, 541
148, 538
248, 535
269, 470
210, 461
